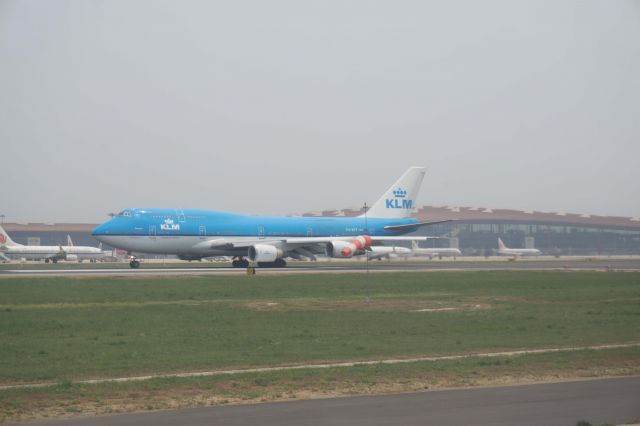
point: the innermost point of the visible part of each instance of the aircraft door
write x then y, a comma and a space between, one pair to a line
152, 231
180, 214
261, 232
202, 231
309, 232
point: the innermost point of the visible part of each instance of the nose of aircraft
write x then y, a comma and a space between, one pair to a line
101, 230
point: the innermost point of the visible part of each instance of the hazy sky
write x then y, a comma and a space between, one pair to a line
274, 107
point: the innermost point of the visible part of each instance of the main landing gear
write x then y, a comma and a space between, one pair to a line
240, 262
278, 263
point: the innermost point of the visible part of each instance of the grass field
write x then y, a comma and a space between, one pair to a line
64, 329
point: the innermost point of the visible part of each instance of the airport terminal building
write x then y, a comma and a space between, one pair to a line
473, 230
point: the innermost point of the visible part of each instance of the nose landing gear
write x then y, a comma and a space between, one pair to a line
134, 262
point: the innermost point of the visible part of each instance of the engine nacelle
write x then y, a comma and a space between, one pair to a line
336, 248
71, 258
264, 253
341, 248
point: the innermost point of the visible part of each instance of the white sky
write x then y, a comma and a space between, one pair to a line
287, 106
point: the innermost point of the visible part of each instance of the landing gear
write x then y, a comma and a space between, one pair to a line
240, 262
46, 261
278, 263
134, 262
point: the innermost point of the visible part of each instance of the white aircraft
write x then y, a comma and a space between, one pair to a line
12, 250
382, 252
91, 257
433, 252
506, 251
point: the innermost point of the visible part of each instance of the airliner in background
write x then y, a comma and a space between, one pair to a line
506, 251
386, 252
266, 240
433, 252
10, 250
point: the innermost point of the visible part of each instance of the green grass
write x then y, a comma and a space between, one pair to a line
109, 265
68, 398
68, 328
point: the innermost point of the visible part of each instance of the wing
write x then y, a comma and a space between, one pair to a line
412, 226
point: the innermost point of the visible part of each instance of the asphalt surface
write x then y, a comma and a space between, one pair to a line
612, 401
320, 267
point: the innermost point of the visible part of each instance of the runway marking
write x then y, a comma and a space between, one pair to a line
83, 273
330, 365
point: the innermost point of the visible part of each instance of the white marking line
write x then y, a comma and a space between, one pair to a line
333, 365
433, 309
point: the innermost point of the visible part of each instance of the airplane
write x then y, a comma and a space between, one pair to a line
12, 250
92, 257
265, 240
386, 252
506, 251
431, 252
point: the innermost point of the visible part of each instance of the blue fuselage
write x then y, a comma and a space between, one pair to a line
206, 223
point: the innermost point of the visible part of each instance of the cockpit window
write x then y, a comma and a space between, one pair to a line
124, 213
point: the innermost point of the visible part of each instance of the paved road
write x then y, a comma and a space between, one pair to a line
569, 264
601, 401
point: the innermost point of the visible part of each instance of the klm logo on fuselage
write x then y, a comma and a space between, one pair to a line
399, 201
168, 225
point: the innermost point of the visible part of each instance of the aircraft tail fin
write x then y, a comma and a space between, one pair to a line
501, 245
69, 240
399, 200
5, 239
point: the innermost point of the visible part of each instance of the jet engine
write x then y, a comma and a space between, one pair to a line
71, 258
264, 253
335, 248
341, 248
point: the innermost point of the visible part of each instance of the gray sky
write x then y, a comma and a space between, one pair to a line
288, 106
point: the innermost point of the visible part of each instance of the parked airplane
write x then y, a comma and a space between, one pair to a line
12, 250
506, 251
92, 257
382, 252
433, 252
266, 240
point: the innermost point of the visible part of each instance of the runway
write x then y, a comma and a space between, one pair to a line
611, 401
152, 269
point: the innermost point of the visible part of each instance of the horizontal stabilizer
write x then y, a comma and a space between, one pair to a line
414, 225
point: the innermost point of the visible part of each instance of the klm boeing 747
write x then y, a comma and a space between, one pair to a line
265, 240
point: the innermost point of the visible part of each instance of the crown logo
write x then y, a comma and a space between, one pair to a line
399, 193
168, 221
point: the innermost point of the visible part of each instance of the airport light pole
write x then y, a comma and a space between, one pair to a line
366, 232
2, 219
